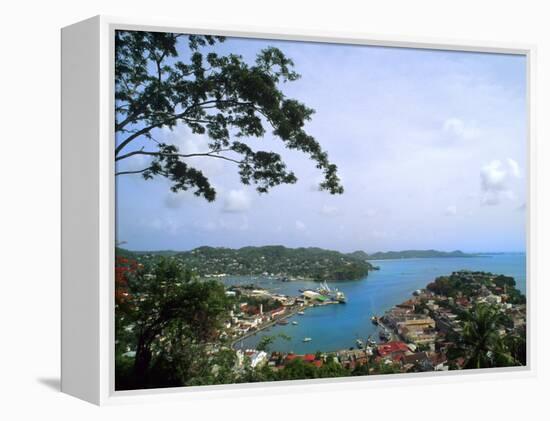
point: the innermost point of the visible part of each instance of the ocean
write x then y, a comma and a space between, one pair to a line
336, 327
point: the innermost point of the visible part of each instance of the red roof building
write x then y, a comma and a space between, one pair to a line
309, 357
391, 348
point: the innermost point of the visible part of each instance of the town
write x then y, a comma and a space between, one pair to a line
424, 333
257, 309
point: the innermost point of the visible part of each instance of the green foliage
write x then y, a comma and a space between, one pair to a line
170, 322
480, 342
413, 254
267, 303
163, 80
313, 263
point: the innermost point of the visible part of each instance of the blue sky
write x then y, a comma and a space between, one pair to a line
430, 146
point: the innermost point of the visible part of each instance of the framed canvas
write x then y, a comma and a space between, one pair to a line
248, 208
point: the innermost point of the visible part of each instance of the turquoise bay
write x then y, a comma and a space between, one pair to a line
337, 327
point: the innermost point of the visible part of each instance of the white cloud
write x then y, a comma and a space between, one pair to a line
191, 143
514, 167
451, 210
459, 128
300, 226
496, 181
237, 201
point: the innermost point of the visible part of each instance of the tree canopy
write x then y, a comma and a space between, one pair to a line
163, 80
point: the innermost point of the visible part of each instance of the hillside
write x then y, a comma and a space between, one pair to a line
280, 261
414, 254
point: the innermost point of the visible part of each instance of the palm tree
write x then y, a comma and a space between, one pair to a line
482, 344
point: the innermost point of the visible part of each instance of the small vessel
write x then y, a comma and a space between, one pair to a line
307, 339
374, 320
371, 341
385, 336
282, 322
359, 343
340, 297
294, 322
301, 313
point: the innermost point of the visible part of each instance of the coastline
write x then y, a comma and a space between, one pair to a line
271, 323
384, 289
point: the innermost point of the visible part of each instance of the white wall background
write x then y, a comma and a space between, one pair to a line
29, 211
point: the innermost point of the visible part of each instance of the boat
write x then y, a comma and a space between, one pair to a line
385, 336
294, 322
324, 289
374, 320
340, 297
359, 343
301, 313
307, 340
371, 341
282, 322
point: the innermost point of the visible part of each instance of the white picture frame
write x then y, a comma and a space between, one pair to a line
88, 217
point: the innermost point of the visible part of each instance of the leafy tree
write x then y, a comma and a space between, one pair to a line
480, 340
173, 318
517, 345
161, 82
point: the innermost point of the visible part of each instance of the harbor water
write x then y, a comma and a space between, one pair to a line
336, 327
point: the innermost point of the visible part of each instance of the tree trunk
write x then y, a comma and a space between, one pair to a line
142, 360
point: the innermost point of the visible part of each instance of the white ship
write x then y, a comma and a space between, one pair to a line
333, 294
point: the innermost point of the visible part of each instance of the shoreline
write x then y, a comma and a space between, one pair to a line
274, 322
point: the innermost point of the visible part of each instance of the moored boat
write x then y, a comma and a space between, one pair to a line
307, 339
385, 336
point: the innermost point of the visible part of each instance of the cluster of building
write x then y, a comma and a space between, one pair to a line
277, 360
247, 318
417, 332
423, 323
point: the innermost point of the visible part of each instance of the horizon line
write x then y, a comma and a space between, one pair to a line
332, 249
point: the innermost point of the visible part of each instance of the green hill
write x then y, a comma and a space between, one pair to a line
414, 254
310, 263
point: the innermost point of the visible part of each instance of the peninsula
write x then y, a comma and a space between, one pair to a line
417, 254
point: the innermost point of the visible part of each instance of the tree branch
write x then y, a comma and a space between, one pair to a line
211, 154
133, 172
176, 117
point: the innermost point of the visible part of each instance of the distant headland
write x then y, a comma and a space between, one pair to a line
288, 263
418, 254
